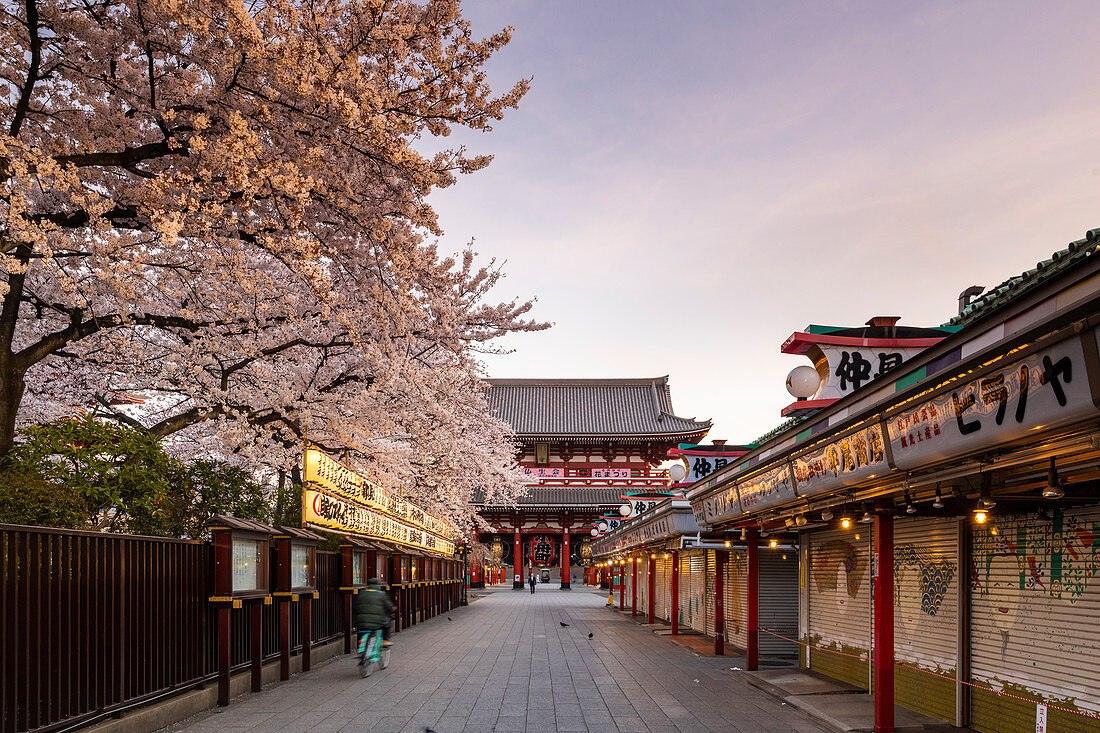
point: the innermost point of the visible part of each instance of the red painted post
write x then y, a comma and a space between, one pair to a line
223, 587
720, 557
622, 587
345, 582
633, 586
883, 569
674, 591
652, 576
565, 577
752, 594
517, 562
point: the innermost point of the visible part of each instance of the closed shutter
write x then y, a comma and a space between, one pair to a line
708, 594
840, 603
692, 580
1035, 601
926, 610
643, 584
663, 607
735, 585
777, 609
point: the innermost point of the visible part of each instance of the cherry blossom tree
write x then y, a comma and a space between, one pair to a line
222, 204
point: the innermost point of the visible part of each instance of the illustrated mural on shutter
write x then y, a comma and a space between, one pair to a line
778, 601
926, 602
1035, 617
840, 603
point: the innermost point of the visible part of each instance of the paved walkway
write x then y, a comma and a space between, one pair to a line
504, 663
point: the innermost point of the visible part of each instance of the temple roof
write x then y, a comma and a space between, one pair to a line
591, 496
589, 408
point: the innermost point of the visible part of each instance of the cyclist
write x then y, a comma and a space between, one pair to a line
372, 610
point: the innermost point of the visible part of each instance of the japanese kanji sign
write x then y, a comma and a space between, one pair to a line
700, 466
856, 456
766, 489
1043, 390
849, 368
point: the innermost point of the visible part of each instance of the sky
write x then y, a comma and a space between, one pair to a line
688, 183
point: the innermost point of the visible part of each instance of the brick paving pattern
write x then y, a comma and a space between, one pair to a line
504, 663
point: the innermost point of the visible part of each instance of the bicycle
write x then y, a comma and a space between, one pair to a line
372, 655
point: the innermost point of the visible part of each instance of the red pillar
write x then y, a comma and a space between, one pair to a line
634, 586
652, 576
752, 594
884, 623
720, 557
565, 569
517, 562
622, 587
674, 591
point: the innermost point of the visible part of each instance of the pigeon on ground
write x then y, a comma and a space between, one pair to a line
589, 634
562, 624
450, 619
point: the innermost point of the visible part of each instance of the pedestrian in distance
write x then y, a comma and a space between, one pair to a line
531, 581
372, 610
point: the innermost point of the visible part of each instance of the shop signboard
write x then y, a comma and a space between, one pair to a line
719, 506
1045, 389
770, 488
856, 456
335, 513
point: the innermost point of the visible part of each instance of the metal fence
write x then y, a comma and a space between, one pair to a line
92, 624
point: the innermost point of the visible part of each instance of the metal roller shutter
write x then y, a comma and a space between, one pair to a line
840, 603
692, 581
778, 601
926, 613
643, 584
734, 585
663, 605
708, 595
1035, 602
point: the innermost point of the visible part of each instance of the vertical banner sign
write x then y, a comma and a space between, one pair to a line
1040, 718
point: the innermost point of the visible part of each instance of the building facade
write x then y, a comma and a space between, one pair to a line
945, 516
585, 444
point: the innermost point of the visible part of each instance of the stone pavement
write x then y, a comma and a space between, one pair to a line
504, 663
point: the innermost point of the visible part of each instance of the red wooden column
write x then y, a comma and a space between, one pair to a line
652, 576
517, 562
883, 568
752, 594
720, 558
674, 591
622, 587
565, 577
634, 586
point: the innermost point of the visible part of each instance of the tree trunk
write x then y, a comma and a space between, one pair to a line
11, 395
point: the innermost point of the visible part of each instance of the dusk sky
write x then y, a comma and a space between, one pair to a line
687, 183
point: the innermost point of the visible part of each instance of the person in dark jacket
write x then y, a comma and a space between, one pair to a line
373, 609
531, 581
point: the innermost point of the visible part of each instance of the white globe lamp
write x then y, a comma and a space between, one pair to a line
677, 472
625, 510
595, 532
803, 382
602, 526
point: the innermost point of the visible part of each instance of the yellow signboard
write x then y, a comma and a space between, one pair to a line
337, 498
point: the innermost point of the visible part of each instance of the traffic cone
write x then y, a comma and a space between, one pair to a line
610, 598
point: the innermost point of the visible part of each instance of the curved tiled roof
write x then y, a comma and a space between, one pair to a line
592, 496
1014, 287
589, 407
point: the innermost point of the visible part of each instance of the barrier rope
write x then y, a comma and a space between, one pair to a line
936, 674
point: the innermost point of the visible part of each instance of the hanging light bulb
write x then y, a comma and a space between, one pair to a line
909, 507
826, 515
938, 503
744, 534
845, 522
867, 517
801, 520
980, 516
1053, 489
727, 543
773, 543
